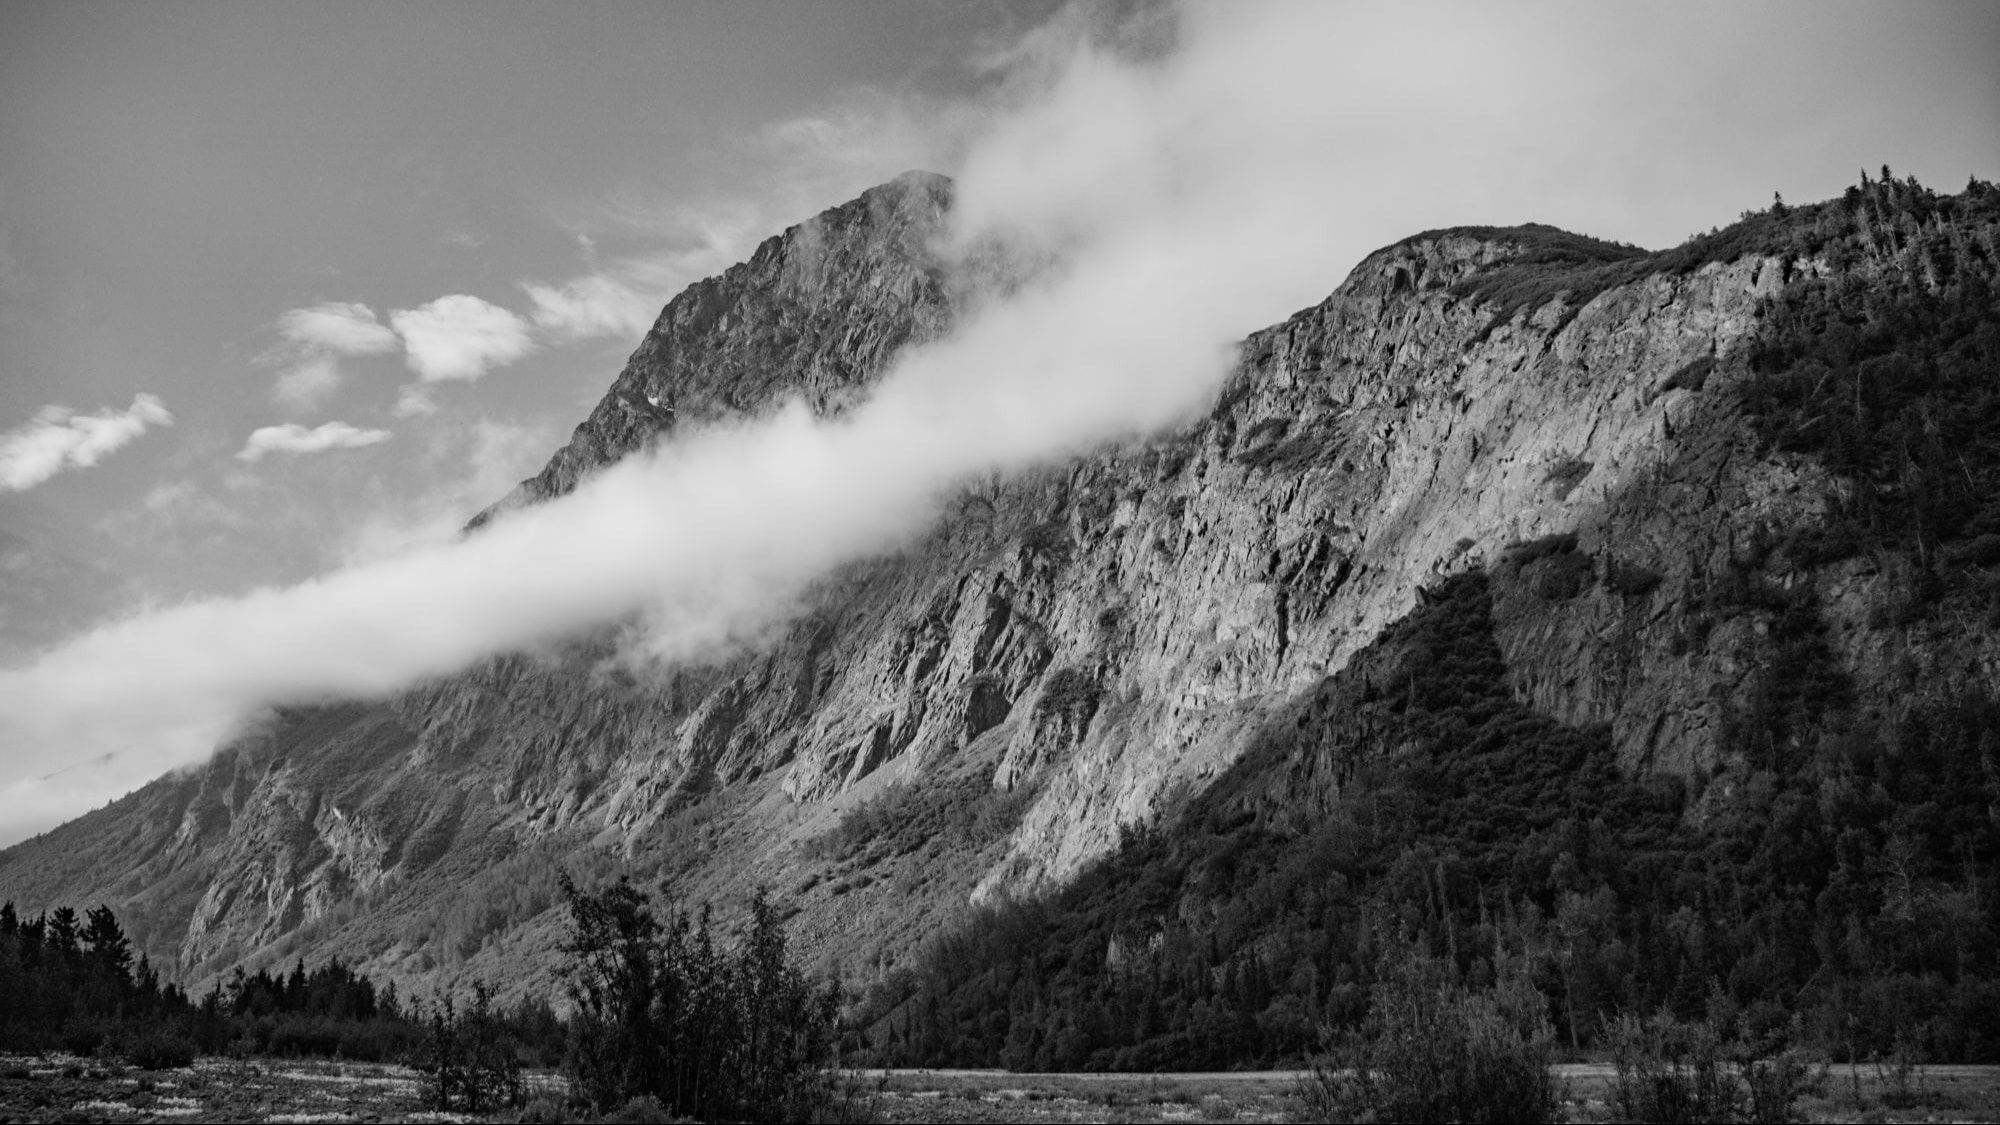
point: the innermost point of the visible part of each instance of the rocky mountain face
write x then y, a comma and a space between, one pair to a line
1069, 655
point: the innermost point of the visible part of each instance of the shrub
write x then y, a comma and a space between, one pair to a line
1048, 539
1566, 474
83, 1036
645, 1110
544, 1110
1692, 376
1897, 1077
662, 1013
1070, 693
1434, 1050
1670, 1071
469, 1061
1630, 579
1534, 550
1552, 566
159, 1050
1774, 1085
1679, 1072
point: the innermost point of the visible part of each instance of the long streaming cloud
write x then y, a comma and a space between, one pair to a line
1183, 200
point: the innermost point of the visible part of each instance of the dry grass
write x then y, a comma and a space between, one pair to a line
1863, 1093
65, 1088
1945, 1093
978, 1095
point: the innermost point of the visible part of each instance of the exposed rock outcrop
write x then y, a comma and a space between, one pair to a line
1097, 640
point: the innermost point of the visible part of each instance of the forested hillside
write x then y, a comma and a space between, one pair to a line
1830, 877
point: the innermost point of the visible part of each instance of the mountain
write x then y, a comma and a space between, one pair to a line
1705, 527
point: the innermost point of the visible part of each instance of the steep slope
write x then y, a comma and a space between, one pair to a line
1800, 588
1074, 655
325, 807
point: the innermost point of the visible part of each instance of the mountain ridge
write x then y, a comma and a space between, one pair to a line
1069, 655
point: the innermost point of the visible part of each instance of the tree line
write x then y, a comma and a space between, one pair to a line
663, 1012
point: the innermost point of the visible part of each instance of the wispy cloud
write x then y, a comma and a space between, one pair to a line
343, 327
315, 339
592, 306
466, 464
777, 175
294, 438
716, 536
1179, 199
185, 501
60, 438
307, 382
460, 337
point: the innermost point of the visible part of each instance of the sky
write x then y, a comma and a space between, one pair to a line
288, 291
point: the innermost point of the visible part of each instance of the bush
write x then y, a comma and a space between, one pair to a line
543, 1110
469, 1061
1566, 474
83, 1036
159, 1050
1071, 693
1630, 579
662, 1013
645, 1110
1670, 1071
1774, 1085
1434, 1050
1692, 376
1679, 1072
1048, 540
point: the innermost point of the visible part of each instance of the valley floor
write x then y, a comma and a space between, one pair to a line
1940, 1093
63, 1088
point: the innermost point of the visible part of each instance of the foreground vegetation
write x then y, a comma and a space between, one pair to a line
61, 1087
665, 1023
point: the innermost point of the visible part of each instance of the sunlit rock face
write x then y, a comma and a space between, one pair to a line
1060, 660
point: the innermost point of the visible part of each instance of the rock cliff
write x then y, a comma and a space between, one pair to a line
1067, 654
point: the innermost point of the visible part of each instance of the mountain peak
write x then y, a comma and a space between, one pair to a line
816, 311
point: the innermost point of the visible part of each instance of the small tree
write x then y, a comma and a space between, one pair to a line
662, 1012
1671, 1071
109, 950
470, 1062
787, 1025
1433, 1049
614, 976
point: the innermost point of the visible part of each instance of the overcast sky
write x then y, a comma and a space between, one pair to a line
286, 288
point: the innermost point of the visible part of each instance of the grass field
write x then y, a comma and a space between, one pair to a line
62, 1088
1946, 1093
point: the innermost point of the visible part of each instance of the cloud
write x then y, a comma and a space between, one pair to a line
460, 337
1162, 255
591, 306
1172, 202
342, 327
466, 464
774, 177
184, 502
316, 338
294, 438
307, 383
61, 439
